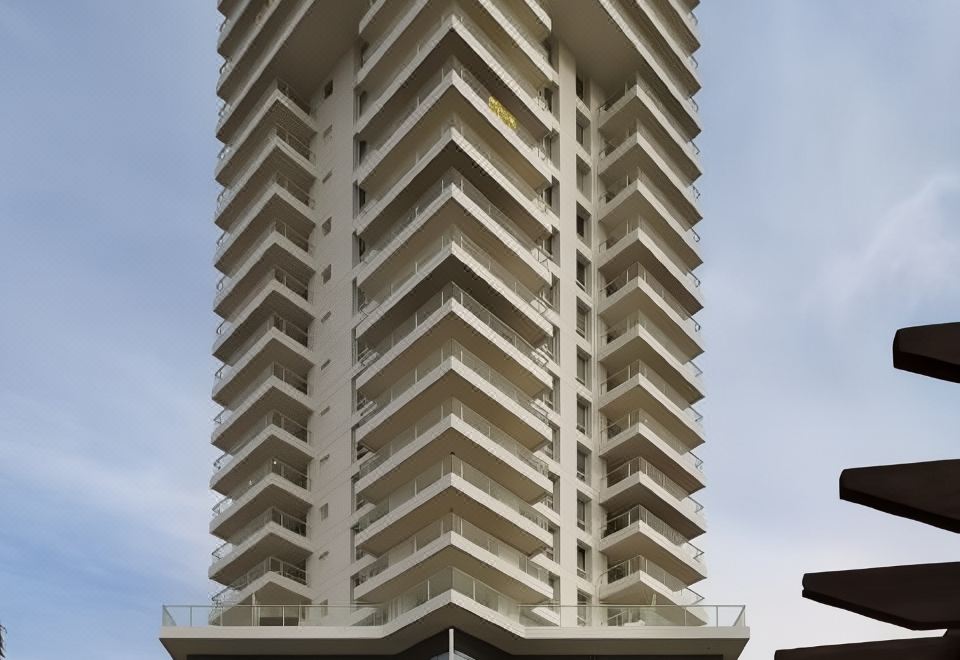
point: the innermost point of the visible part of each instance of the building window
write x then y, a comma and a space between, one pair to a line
325, 275
581, 513
326, 226
324, 511
580, 89
323, 608
583, 465
582, 562
581, 274
328, 89
583, 608
581, 226
581, 129
582, 313
583, 368
583, 417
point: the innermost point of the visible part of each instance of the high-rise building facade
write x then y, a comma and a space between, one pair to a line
458, 333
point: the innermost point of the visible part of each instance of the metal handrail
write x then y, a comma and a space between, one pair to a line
276, 227
610, 432
639, 513
231, 593
273, 322
453, 179
272, 515
640, 465
644, 227
637, 271
450, 350
428, 254
451, 408
451, 523
367, 355
275, 370
455, 466
273, 466
273, 418
640, 368
640, 564
275, 274
641, 320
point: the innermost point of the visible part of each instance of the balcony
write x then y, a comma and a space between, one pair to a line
273, 580
449, 297
458, 149
235, 24
639, 386
453, 542
235, 249
639, 434
451, 313
679, 65
277, 295
638, 481
454, 427
274, 435
452, 485
275, 340
637, 241
291, 489
450, 257
476, 104
639, 580
635, 103
639, 531
451, 204
680, 22
637, 337
236, 294
232, 162
453, 371
280, 256
277, 162
251, 46
273, 533
637, 290
293, 53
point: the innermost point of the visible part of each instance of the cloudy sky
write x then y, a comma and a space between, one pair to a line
832, 203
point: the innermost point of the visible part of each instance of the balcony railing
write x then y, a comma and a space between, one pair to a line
452, 292
450, 580
279, 227
452, 408
289, 282
284, 88
457, 525
455, 466
273, 322
450, 180
240, 50
454, 236
275, 134
682, 594
452, 350
638, 368
647, 229
640, 320
232, 593
275, 370
613, 429
640, 514
475, 145
451, 67
640, 176
271, 467
637, 271
271, 515
640, 465
274, 419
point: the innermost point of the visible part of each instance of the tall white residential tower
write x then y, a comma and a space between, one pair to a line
458, 335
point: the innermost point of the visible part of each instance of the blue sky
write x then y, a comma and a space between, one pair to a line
832, 203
